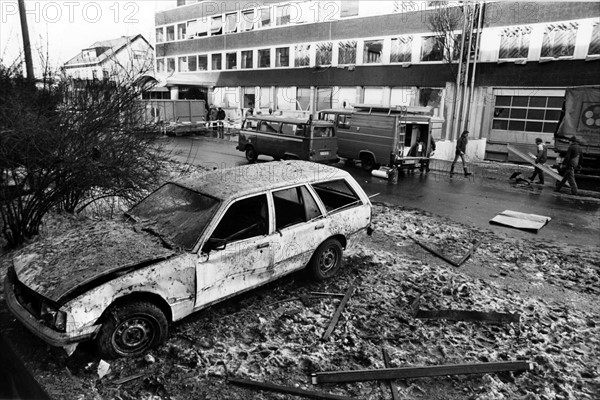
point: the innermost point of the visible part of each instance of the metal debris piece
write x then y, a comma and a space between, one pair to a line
126, 379
471, 251
435, 252
387, 363
463, 315
338, 312
418, 372
286, 389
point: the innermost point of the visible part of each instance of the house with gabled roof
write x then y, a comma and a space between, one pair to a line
125, 58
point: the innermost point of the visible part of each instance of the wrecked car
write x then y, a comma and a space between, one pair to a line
189, 244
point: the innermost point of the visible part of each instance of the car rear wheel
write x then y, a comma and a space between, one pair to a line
327, 260
367, 162
251, 154
131, 329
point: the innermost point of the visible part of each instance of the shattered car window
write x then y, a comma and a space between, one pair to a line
178, 214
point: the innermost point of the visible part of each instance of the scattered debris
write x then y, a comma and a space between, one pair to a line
338, 312
387, 363
515, 219
418, 372
103, 369
286, 389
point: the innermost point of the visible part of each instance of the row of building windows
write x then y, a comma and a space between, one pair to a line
282, 14
298, 99
558, 41
257, 18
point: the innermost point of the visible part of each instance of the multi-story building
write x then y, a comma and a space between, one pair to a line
124, 58
296, 57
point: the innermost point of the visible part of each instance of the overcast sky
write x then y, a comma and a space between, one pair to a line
63, 28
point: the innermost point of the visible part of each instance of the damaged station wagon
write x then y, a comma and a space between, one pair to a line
190, 244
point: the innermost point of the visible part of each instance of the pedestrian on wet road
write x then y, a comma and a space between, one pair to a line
542, 156
571, 161
461, 149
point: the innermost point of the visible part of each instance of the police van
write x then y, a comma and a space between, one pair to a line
285, 138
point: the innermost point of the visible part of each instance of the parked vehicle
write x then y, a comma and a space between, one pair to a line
581, 118
286, 138
379, 135
186, 246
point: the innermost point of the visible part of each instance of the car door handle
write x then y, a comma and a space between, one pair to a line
319, 227
262, 245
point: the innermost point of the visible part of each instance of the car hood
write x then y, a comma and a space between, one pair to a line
57, 266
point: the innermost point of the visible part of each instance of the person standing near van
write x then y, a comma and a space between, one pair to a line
542, 156
570, 162
461, 149
220, 123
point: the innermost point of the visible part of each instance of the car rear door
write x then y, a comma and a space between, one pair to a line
300, 226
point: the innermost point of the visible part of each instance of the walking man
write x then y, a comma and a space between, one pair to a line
542, 156
570, 162
461, 149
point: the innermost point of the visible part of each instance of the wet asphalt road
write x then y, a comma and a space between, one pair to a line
473, 201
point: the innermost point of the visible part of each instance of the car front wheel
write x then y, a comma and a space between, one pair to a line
131, 329
327, 260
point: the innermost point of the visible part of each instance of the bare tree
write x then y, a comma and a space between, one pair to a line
65, 145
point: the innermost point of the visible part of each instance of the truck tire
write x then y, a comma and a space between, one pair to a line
251, 154
131, 329
326, 260
367, 162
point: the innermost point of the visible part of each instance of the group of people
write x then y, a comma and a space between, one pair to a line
216, 118
569, 165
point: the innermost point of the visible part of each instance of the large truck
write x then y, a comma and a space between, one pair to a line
384, 136
581, 118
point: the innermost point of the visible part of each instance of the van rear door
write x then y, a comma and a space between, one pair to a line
323, 143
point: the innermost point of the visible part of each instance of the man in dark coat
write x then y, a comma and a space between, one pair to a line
220, 123
542, 156
461, 149
571, 161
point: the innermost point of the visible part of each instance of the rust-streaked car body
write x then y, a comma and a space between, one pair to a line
61, 287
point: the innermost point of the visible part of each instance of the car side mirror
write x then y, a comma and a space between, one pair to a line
215, 244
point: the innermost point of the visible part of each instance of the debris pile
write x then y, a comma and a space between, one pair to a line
536, 304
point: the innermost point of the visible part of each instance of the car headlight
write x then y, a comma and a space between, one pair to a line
53, 317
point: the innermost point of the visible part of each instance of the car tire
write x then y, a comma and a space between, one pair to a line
367, 162
251, 154
131, 329
326, 260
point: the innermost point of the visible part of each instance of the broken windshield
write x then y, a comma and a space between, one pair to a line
177, 214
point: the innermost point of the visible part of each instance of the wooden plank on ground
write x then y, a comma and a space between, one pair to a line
531, 161
286, 389
418, 372
338, 312
466, 256
435, 252
387, 363
463, 315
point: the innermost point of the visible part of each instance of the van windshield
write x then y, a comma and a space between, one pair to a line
176, 214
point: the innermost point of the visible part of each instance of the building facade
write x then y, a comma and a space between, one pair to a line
297, 57
125, 58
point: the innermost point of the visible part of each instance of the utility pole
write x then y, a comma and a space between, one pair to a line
26, 43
